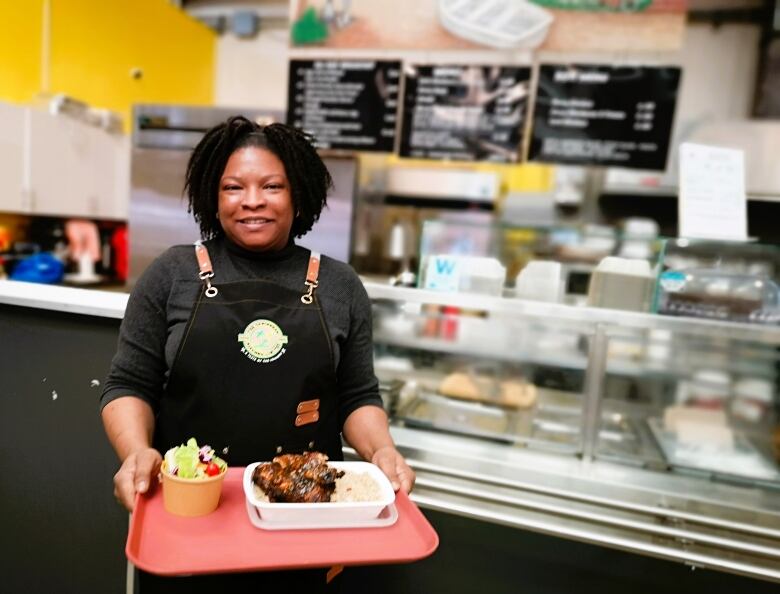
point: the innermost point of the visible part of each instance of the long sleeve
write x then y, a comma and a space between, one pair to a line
357, 383
139, 365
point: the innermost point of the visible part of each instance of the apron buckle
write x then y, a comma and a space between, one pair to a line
308, 297
211, 291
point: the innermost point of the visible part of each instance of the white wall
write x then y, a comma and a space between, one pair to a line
719, 73
252, 73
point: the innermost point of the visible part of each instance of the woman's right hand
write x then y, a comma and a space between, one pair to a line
135, 475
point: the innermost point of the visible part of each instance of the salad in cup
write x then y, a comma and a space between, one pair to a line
192, 477
190, 461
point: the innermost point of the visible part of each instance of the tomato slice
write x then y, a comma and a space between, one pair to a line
212, 469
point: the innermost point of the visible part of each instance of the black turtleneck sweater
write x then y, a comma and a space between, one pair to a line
160, 303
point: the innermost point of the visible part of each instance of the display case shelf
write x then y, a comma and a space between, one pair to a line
577, 317
572, 361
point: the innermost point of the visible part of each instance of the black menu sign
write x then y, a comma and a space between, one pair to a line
464, 112
345, 104
604, 115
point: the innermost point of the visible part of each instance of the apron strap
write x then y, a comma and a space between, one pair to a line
205, 269
312, 275
206, 272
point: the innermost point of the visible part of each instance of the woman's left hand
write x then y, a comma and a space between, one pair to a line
392, 463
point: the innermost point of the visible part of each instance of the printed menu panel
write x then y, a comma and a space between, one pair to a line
464, 112
604, 115
345, 104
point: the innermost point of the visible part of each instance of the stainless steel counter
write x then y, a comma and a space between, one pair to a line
685, 519
661, 509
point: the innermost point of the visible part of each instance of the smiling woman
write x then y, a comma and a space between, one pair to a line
247, 341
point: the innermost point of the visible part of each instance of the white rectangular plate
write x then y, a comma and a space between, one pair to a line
388, 517
328, 515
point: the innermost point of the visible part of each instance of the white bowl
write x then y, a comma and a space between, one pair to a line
316, 514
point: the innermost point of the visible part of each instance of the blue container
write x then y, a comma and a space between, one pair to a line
39, 268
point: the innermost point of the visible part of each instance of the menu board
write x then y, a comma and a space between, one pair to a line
604, 115
345, 104
474, 113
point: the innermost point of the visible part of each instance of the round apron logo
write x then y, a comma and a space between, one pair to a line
263, 341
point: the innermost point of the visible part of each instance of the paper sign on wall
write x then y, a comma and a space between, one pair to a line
712, 202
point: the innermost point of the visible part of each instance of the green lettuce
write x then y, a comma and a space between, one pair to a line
187, 460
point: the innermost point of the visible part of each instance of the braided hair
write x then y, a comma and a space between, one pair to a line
308, 177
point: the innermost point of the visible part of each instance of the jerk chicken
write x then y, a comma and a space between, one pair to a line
297, 478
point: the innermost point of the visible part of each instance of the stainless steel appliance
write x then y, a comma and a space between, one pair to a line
163, 136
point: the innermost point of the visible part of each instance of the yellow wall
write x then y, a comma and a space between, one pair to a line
522, 177
20, 49
94, 45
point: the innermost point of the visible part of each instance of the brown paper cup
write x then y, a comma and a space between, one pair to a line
190, 497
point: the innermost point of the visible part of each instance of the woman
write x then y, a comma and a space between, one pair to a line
247, 342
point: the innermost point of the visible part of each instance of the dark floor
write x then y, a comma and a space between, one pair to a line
491, 559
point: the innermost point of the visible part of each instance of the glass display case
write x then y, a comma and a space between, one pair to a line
485, 373
654, 432
687, 390
704, 395
651, 433
665, 393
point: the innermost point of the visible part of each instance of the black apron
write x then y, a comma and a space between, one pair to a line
254, 377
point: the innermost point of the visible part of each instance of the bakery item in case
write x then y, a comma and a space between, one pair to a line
460, 385
519, 394
514, 393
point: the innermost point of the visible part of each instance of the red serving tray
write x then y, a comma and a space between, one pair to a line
225, 541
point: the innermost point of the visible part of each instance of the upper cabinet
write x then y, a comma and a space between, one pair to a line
60, 162
75, 170
12, 124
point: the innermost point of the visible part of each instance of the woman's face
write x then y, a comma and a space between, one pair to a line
255, 206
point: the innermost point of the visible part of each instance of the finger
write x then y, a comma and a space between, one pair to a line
389, 471
406, 477
124, 488
147, 464
387, 466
